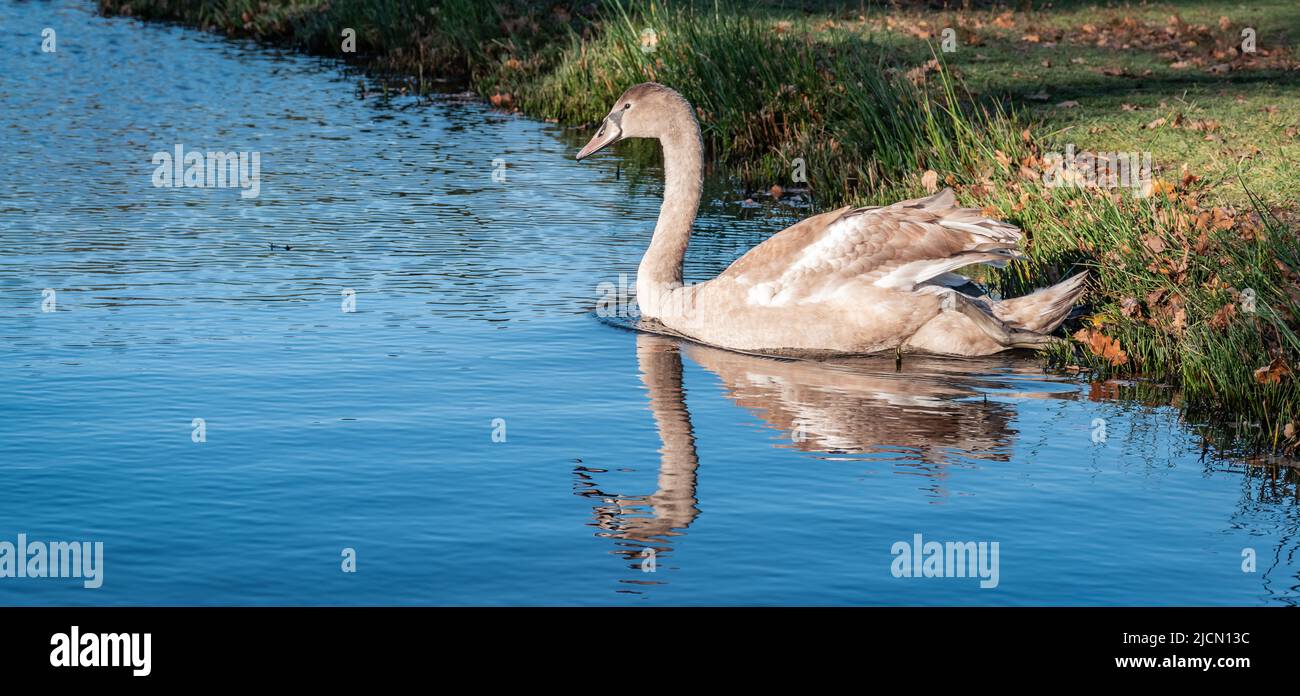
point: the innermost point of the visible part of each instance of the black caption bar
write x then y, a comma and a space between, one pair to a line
339, 645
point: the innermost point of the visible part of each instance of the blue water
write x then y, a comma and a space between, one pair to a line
754, 481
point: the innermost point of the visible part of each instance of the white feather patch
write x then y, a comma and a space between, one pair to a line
762, 294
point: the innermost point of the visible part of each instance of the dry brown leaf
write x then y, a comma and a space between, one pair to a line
1223, 317
1202, 243
1180, 317
918, 74
1155, 187
1102, 346
930, 180
1130, 307
1273, 372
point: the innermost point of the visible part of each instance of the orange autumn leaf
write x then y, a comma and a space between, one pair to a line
1156, 187
1102, 346
1273, 372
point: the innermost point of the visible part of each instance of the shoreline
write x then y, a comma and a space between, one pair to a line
1189, 287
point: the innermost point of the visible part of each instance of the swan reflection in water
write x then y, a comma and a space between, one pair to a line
925, 415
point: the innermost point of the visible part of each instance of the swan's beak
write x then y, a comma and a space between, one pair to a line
610, 132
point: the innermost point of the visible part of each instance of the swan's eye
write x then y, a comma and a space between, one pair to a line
627, 106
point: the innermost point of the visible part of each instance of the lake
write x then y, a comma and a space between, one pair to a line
388, 361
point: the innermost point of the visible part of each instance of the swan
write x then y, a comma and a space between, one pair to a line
850, 281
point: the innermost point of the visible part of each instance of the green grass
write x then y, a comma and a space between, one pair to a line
845, 89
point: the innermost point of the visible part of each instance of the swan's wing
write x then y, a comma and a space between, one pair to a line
898, 246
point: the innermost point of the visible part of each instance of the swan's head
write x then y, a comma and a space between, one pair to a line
648, 110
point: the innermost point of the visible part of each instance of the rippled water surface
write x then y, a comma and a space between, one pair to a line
753, 481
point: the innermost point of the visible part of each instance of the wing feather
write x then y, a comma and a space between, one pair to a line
897, 246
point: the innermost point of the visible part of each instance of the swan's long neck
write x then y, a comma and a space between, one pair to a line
661, 267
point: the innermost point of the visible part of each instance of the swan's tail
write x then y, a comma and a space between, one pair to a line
1042, 310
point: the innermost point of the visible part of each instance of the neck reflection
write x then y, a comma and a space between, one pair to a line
922, 419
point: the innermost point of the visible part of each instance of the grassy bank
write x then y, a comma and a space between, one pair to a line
1197, 272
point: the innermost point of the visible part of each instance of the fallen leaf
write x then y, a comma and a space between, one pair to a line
1273, 372
1155, 187
1102, 346
1202, 243
918, 74
1223, 317
1179, 316
930, 180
